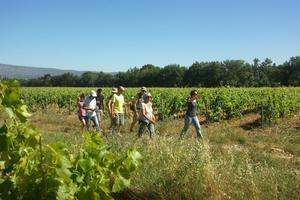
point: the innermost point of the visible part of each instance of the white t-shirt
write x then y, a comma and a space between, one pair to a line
90, 103
148, 111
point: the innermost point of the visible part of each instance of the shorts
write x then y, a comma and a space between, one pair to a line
81, 118
119, 119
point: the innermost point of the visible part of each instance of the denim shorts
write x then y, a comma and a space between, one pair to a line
119, 119
143, 126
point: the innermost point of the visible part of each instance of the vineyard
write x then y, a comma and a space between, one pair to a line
215, 104
31, 169
52, 159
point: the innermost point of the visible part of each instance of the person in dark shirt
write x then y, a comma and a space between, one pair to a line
100, 105
191, 115
109, 102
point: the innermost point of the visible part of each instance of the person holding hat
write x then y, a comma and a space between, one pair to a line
90, 107
147, 118
191, 115
117, 109
109, 102
139, 99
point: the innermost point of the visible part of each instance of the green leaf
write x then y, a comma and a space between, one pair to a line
79, 179
22, 113
134, 159
120, 184
3, 129
2, 165
66, 191
3, 143
86, 164
10, 112
90, 194
64, 174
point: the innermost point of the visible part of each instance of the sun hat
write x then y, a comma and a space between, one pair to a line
114, 90
93, 93
121, 88
144, 89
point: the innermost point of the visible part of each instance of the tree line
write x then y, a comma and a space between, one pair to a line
234, 73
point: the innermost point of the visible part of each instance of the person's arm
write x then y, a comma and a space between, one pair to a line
113, 99
134, 106
103, 104
153, 116
125, 106
85, 107
109, 105
79, 108
98, 100
88, 108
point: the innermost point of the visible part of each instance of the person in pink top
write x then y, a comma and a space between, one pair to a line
81, 111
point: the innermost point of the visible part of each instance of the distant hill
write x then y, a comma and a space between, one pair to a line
23, 72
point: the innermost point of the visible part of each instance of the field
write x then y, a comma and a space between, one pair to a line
215, 104
242, 155
238, 159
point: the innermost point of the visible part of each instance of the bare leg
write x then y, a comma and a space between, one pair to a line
134, 121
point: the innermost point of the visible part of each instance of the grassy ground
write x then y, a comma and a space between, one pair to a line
236, 160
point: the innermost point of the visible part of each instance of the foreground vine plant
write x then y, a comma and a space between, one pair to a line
30, 169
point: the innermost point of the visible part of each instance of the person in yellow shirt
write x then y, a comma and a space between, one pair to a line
117, 110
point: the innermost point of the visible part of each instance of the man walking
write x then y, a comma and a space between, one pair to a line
117, 106
90, 107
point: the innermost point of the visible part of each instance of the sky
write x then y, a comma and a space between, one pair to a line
111, 35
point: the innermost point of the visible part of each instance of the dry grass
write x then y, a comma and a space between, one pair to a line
232, 162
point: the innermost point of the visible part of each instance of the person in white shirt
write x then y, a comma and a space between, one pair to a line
147, 118
139, 99
90, 107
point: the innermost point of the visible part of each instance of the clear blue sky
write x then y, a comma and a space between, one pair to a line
112, 35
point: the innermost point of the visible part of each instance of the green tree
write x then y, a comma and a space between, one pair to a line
290, 72
88, 79
171, 76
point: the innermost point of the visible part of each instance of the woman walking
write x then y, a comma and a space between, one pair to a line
81, 111
191, 115
138, 100
147, 118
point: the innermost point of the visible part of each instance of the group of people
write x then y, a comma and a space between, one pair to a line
92, 106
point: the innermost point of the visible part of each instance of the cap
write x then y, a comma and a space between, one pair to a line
144, 89
114, 90
93, 93
148, 95
121, 88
